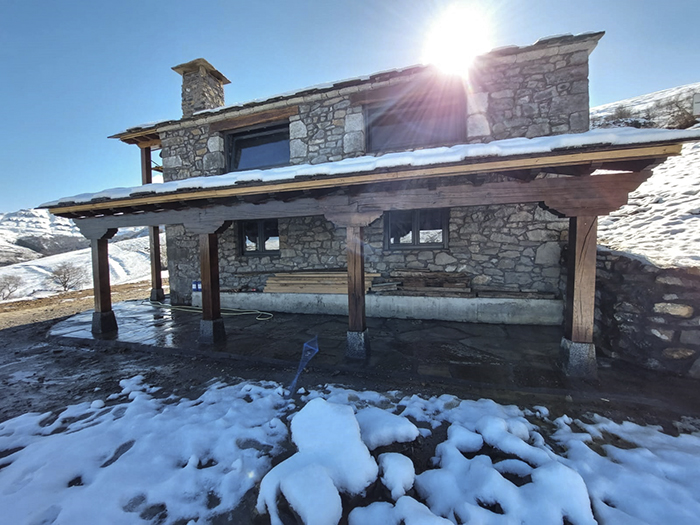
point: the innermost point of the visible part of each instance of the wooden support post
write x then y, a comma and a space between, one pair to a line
157, 293
358, 340
212, 325
578, 349
103, 320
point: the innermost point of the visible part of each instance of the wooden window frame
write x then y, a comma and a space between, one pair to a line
261, 229
415, 231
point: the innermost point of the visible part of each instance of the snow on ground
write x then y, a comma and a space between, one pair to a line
662, 218
129, 261
134, 457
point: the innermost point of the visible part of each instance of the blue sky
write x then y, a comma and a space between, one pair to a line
74, 72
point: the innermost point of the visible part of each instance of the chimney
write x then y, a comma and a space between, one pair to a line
202, 86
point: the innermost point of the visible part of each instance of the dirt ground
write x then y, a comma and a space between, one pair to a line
42, 374
16, 313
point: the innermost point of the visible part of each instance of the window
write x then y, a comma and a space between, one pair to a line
260, 148
259, 237
416, 229
395, 128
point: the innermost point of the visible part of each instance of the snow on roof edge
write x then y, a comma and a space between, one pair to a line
417, 158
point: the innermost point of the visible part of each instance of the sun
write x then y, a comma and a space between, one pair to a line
456, 37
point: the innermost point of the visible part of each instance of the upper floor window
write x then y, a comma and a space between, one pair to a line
416, 229
259, 148
429, 112
259, 237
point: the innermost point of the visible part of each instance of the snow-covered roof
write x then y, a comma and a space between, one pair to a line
599, 138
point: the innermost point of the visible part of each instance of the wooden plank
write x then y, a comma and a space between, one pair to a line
356, 278
470, 166
254, 119
209, 264
580, 289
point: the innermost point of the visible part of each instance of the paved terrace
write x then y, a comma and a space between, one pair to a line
518, 362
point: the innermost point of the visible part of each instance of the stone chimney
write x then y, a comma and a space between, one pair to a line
202, 86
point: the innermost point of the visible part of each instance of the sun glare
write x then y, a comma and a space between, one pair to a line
455, 38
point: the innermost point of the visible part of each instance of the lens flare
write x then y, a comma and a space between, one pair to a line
455, 38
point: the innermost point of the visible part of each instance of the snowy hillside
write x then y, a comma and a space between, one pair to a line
26, 235
662, 218
654, 109
129, 261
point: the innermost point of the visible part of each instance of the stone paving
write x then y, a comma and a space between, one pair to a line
512, 363
522, 356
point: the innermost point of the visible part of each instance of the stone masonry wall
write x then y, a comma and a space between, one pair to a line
509, 248
648, 315
543, 91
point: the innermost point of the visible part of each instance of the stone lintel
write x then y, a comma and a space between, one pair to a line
196, 64
358, 348
212, 331
578, 359
104, 323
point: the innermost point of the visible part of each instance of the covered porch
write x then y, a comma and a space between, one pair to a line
577, 176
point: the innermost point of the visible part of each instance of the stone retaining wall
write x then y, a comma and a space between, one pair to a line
648, 315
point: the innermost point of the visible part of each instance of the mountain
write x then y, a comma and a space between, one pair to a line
27, 235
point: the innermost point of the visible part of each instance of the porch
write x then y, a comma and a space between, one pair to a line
513, 357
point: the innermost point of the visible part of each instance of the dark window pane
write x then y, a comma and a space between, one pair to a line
259, 149
272, 236
430, 226
401, 128
401, 227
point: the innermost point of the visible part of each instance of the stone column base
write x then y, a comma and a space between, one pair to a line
358, 348
578, 359
104, 323
157, 294
212, 331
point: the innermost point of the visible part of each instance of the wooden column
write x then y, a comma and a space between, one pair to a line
358, 347
211, 327
209, 260
580, 290
357, 321
157, 293
577, 348
103, 320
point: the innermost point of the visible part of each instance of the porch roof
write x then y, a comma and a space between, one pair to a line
624, 149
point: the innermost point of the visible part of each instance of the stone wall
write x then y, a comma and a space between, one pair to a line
513, 248
648, 315
192, 152
538, 90
542, 91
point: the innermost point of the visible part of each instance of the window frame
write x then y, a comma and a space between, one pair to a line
261, 230
234, 136
415, 231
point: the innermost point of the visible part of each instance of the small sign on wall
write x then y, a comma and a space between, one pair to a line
696, 105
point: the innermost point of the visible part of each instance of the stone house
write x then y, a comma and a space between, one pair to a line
457, 197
